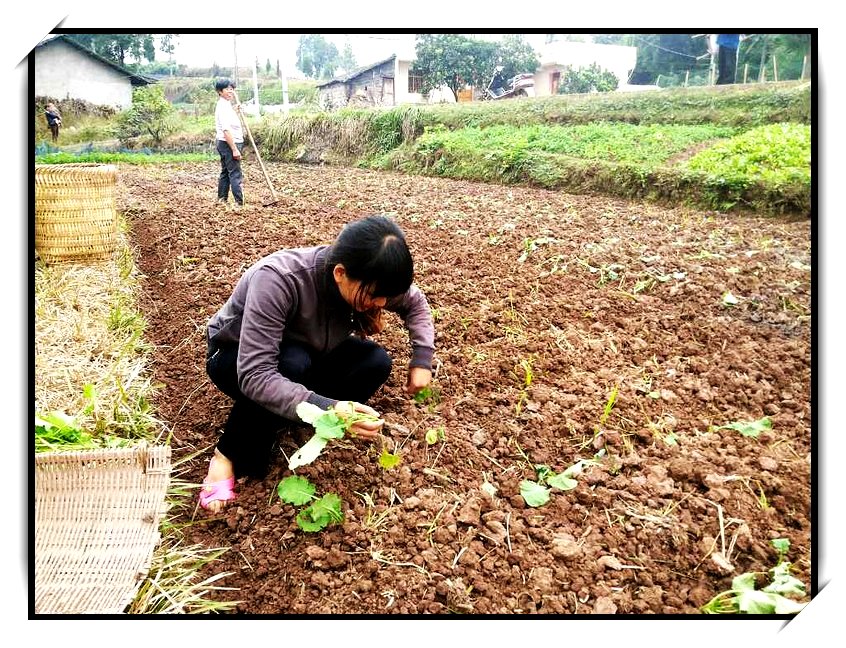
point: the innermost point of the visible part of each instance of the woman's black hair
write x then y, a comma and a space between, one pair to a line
222, 84
373, 251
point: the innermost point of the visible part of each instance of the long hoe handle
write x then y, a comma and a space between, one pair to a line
255, 149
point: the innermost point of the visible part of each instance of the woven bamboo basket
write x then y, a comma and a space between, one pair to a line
75, 216
97, 515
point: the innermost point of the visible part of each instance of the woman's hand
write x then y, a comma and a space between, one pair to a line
368, 430
418, 378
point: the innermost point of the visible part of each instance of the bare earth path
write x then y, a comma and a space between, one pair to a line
577, 296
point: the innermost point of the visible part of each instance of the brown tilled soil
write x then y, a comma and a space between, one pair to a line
545, 303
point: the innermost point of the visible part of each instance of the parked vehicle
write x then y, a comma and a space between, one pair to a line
521, 85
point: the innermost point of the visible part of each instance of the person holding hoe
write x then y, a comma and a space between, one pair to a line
230, 142
295, 329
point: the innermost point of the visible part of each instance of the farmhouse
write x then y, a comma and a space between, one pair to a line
388, 82
65, 69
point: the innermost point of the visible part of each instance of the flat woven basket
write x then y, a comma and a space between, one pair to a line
97, 517
75, 216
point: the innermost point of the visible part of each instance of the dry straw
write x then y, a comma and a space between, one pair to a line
97, 517
75, 216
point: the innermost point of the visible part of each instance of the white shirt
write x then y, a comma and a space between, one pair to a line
225, 118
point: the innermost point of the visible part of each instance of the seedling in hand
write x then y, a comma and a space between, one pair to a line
328, 424
322, 512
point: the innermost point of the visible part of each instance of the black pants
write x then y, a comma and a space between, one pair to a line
54, 130
353, 370
727, 62
230, 173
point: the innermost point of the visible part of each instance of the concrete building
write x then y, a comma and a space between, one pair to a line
66, 70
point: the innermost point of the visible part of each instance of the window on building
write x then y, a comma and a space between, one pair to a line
415, 80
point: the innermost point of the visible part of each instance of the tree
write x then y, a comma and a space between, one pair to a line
758, 50
268, 67
316, 57
516, 56
150, 114
347, 62
278, 69
455, 60
117, 47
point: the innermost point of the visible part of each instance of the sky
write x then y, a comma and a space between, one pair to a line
202, 50
33, 21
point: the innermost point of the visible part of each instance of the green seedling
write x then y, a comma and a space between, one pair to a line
537, 493
429, 395
321, 513
749, 428
433, 435
745, 598
327, 425
388, 460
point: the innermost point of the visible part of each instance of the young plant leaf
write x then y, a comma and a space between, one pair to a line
309, 412
533, 493
307, 520
330, 426
295, 490
308, 453
577, 468
433, 435
750, 428
562, 482
328, 506
388, 460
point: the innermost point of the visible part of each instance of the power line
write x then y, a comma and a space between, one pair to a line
637, 38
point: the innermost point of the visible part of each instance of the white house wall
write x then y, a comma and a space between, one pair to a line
62, 72
403, 96
554, 57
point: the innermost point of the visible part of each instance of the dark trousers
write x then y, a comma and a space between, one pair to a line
230, 173
54, 129
353, 370
727, 65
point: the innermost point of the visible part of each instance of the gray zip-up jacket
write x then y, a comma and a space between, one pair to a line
292, 295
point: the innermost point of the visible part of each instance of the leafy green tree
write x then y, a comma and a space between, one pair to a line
516, 56
316, 57
150, 114
347, 62
590, 79
455, 60
268, 68
117, 47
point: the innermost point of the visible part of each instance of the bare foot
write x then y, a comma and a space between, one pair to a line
220, 469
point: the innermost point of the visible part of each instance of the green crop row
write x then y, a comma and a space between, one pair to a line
614, 142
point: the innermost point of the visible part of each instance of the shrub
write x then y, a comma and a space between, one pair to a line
590, 79
150, 115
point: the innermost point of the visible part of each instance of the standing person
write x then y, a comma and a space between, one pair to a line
295, 329
727, 57
230, 141
54, 120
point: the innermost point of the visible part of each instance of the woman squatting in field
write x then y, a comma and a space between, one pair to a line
295, 329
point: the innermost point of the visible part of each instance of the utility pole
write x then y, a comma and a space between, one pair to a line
284, 75
255, 86
235, 47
